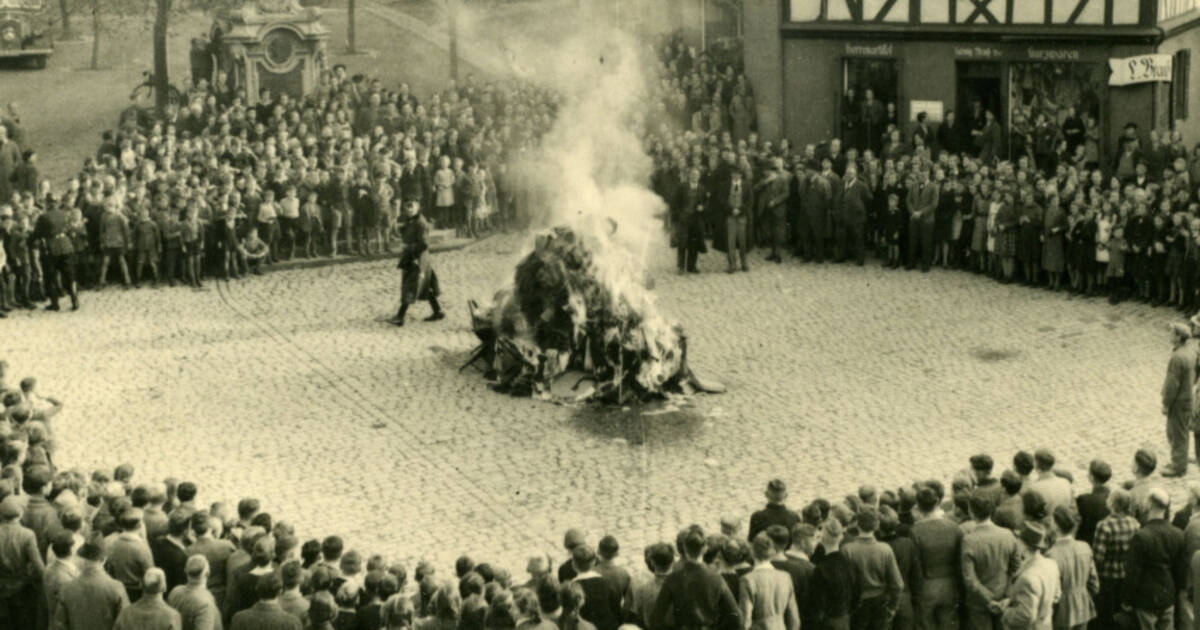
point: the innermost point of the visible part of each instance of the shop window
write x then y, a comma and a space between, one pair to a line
1181, 69
864, 123
1051, 89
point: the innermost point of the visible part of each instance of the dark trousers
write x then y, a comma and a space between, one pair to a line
812, 244
851, 243
1108, 603
982, 619
685, 257
20, 609
1177, 437
871, 614
170, 261
937, 602
905, 618
60, 277
779, 229
920, 243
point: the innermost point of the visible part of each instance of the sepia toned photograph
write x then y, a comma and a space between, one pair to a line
599, 315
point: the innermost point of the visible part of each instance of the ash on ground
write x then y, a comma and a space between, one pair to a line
577, 323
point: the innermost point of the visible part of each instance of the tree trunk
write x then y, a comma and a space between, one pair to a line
65, 9
162, 16
95, 34
350, 26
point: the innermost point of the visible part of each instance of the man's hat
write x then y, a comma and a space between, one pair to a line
1033, 534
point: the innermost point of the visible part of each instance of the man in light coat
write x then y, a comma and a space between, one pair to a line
1177, 398
1037, 588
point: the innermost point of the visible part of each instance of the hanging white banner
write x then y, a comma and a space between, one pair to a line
1140, 69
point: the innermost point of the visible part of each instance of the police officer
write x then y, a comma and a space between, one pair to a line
59, 259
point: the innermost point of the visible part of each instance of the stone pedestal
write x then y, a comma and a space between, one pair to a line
274, 45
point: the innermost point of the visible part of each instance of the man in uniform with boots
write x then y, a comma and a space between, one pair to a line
58, 261
419, 281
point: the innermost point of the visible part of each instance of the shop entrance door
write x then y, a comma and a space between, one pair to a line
979, 90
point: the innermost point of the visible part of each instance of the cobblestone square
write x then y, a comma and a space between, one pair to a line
290, 387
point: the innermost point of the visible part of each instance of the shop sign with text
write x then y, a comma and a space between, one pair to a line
1140, 69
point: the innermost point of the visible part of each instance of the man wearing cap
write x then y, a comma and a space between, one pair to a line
990, 560
1156, 568
197, 608
776, 512
1177, 399
150, 611
1144, 463
58, 259
21, 566
694, 597
94, 599
1030, 600
571, 539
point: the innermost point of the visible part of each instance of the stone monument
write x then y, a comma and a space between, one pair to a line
274, 45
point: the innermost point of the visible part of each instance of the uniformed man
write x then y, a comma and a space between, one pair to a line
418, 280
59, 255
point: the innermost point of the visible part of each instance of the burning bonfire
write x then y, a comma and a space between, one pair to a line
578, 325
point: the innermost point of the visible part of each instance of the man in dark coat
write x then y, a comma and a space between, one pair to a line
1177, 398
922, 205
1156, 567
693, 596
856, 198
815, 203
775, 196
872, 125
737, 209
687, 223
58, 262
420, 281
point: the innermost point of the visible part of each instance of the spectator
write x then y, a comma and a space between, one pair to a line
21, 567
1156, 568
878, 573
1054, 489
266, 613
129, 556
197, 608
693, 596
1010, 513
660, 557
776, 511
836, 587
1036, 589
572, 539
1093, 506
991, 557
169, 551
905, 552
1077, 572
291, 600
93, 600
766, 596
149, 611
59, 572
939, 544
215, 550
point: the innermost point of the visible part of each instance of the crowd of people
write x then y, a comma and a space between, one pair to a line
109, 550
1056, 213
218, 188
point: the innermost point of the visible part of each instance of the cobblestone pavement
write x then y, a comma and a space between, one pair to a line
290, 387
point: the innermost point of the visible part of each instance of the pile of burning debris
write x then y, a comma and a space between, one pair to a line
577, 326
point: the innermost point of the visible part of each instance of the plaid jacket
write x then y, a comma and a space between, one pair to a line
1111, 544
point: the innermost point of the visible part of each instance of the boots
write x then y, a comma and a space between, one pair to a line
398, 320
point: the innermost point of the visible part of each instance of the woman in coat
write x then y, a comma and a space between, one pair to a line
1006, 228
1054, 226
979, 230
767, 598
1077, 572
